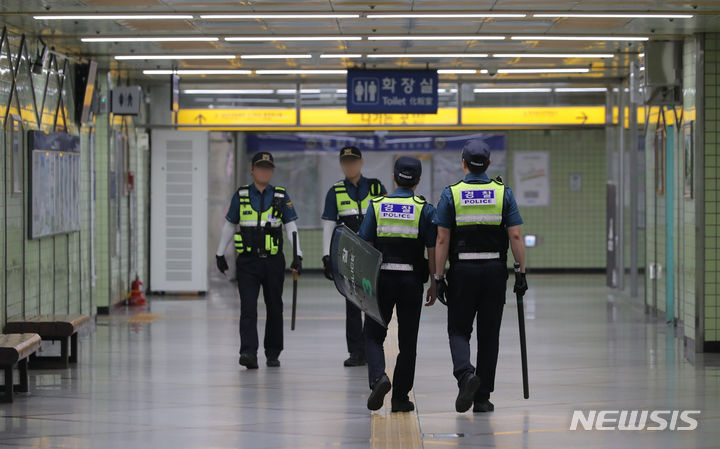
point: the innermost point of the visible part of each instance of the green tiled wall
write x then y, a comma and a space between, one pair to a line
54, 274
711, 166
571, 230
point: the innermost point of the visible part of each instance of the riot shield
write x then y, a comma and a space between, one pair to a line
355, 265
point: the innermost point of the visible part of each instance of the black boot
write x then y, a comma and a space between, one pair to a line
273, 363
355, 359
402, 405
380, 388
469, 384
249, 361
483, 406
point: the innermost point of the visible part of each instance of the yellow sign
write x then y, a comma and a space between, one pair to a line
236, 117
311, 117
338, 117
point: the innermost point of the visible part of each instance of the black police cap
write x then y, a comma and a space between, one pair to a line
408, 168
350, 152
263, 158
476, 153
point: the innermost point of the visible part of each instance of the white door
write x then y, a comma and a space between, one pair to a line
178, 211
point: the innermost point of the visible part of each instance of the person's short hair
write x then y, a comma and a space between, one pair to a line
402, 182
477, 170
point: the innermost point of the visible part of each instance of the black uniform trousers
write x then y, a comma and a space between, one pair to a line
354, 329
404, 291
476, 291
268, 272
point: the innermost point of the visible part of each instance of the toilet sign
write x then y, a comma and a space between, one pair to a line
126, 100
392, 91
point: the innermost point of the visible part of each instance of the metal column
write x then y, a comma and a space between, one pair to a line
634, 177
621, 188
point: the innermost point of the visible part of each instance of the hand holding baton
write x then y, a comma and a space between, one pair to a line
519, 289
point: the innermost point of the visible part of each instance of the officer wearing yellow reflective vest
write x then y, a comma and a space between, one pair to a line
400, 226
345, 203
477, 220
259, 211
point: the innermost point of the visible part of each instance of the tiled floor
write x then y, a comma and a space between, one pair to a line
173, 380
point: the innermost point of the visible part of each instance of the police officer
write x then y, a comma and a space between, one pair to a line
477, 218
259, 210
400, 226
345, 203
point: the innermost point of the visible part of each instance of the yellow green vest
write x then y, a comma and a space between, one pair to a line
398, 229
259, 232
478, 226
351, 212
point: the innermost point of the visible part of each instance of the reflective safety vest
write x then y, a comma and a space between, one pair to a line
478, 227
260, 233
352, 212
398, 229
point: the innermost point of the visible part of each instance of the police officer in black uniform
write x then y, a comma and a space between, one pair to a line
400, 226
259, 211
345, 203
477, 220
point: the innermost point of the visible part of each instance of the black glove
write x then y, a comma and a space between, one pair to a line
297, 264
520, 284
327, 270
221, 263
441, 290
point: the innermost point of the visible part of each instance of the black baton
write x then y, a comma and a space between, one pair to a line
521, 323
295, 280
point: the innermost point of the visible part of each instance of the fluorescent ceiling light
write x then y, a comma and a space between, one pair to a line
484, 71
113, 17
430, 55
580, 38
341, 91
198, 72
553, 55
456, 71
501, 90
301, 72
276, 56
578, 70
616, 15
475, 37
293, 91
340, 55
149, 39
443, 15
279, 16
178, 57
291, 38
581, 89
228, 91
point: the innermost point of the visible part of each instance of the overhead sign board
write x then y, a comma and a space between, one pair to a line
392, 91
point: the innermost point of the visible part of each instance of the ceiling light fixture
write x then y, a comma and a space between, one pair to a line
293, 91
456, 71
509, 90
580, 89
228, 91
276, 56
197, 72
175, 57
430, 55
614, 15
444, 15
301, 72
576, 70
477, 37
553, 55
279, 16
113, 17
340, 55
581, 38
291, 38
149, 39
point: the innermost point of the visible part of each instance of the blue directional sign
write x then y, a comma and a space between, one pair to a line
392, 91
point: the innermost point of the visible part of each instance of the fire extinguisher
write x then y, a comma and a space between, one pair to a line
137, 290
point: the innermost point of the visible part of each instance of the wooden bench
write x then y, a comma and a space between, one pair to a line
53, 328
15, 350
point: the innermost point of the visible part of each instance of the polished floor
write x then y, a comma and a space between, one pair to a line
167, 377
